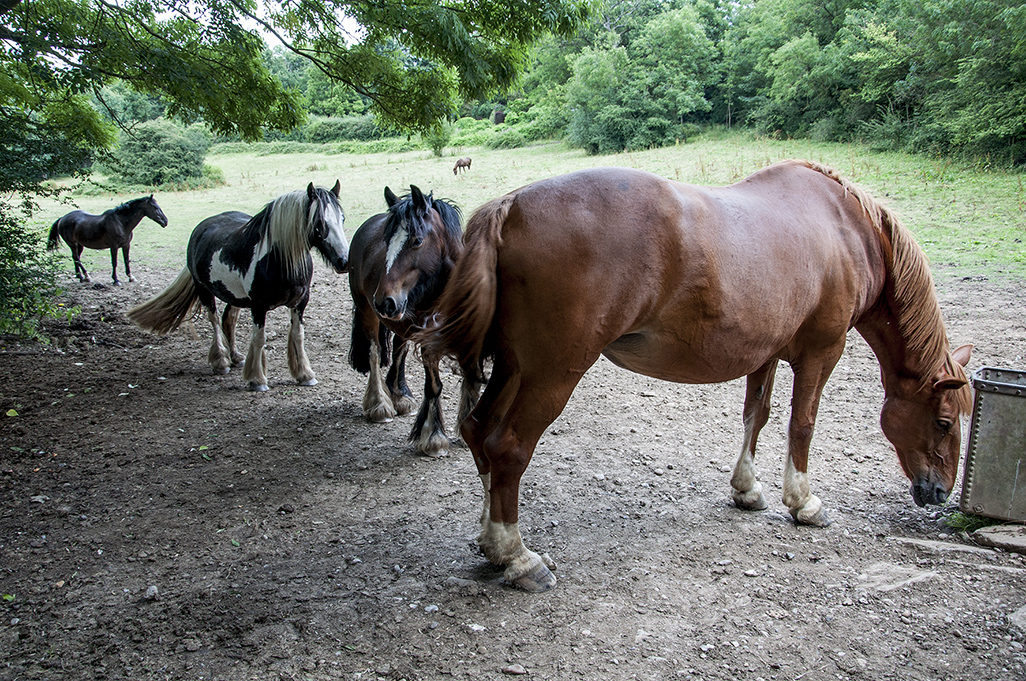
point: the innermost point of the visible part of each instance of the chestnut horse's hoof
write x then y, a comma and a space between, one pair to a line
752, 500
309, 381
537, 580
258, 387
220, 370
812, 513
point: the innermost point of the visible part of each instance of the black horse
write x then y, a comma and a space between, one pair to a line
400, 262
260, 262
111, 229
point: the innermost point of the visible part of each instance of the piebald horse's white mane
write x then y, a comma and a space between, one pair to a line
288, 227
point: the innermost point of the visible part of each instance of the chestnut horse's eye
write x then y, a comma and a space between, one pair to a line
943, 425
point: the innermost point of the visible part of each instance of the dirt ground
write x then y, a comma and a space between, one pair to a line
160, 522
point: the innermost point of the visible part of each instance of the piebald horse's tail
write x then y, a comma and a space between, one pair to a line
165, 312
53, 241
462, 322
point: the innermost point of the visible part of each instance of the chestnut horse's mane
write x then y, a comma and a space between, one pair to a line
912, 293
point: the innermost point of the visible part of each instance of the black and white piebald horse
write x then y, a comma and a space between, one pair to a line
260, 262
400, 263
111, 229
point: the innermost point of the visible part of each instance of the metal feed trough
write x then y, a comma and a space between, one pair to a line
994, 482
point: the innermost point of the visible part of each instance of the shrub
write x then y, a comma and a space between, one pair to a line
358, 128
159, 152
28, 276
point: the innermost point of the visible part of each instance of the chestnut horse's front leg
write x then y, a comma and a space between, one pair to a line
810, 375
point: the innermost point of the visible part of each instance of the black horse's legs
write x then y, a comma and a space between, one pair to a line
377, 403
229, 320
114, 266
80, 270
299, 363
429, 430
124, 255
400, 393
255, 371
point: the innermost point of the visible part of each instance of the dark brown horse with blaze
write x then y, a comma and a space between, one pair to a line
694, 285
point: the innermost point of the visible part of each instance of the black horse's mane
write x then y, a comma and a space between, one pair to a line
404, 209
129, 205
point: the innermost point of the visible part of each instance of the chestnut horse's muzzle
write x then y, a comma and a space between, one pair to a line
928, 492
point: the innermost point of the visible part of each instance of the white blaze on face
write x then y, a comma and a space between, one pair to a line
239, 284
395, 245
334, 220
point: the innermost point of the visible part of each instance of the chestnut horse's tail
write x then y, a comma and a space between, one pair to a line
165, 312
463, 314
53, 241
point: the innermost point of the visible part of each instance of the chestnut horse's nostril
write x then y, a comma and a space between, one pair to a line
926, 492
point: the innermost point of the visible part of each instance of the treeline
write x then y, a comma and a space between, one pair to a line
938, 76
934, 76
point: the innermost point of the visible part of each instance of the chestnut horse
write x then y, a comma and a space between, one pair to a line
463, 163
399, 263
694, 285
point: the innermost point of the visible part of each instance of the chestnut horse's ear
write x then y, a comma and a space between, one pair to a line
948, 382
337, 189
390, 198
962, 354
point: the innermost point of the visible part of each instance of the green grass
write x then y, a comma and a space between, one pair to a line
969, 221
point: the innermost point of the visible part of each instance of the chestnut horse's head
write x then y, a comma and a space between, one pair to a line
423, 236
921, 419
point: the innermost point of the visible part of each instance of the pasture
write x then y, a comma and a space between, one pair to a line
161, 522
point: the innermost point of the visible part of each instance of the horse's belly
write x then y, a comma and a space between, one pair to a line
705, 360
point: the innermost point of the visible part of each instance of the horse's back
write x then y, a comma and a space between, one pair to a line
677, 281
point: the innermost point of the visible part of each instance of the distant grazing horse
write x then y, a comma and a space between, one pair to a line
694, 285
111, 229
400, 260
463, 163
260, 262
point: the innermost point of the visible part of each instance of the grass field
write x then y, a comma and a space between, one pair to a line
969, 221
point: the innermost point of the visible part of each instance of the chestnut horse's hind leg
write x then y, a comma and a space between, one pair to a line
509, 439
747, 489
810, 375
255, 370
429, 429
299, 363
229, 321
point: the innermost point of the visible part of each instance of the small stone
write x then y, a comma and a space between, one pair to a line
151, 593
658, 471
600, 477
514, 669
